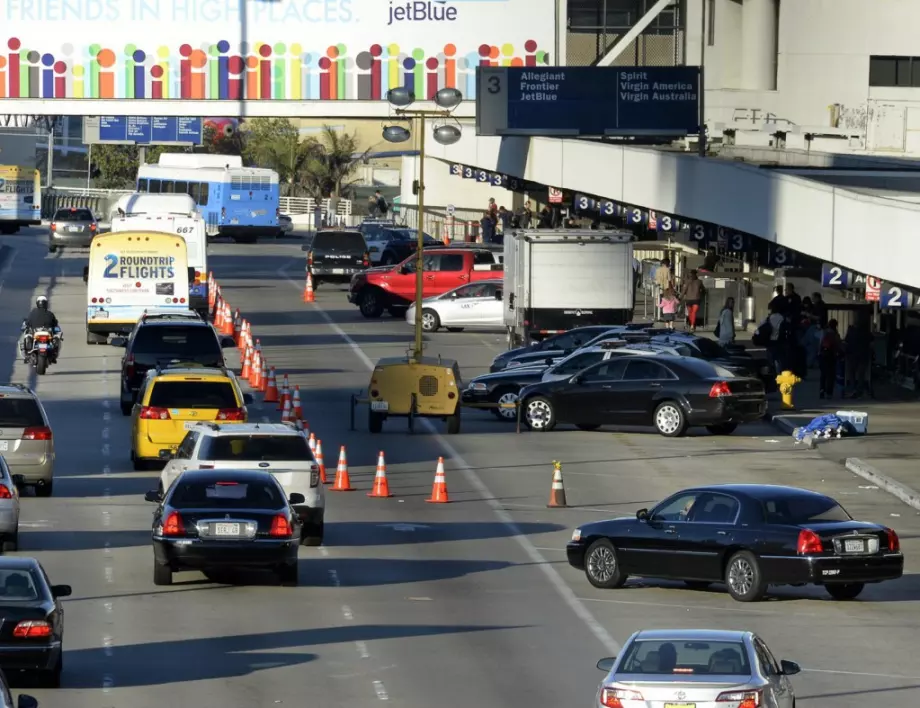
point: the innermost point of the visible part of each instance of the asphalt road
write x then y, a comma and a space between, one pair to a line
469, 603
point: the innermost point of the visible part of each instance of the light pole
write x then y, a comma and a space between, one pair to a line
447, 99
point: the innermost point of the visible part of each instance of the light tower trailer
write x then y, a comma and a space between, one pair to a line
559, 279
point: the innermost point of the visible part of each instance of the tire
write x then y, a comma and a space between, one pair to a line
371, 303
398, 311
744, 579
453, 422
374, 422
162, 574
52, 249
94, 338
669, 419
430, 320
126, 408
697, 584
538, 414
505, 395
587, 426
11, 545
44, 490
844, 591
602, 567
52, 679
41, 364
312, 535
139, 464
722, 428
455, 329
287, 574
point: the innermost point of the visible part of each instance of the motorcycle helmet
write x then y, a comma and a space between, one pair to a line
42, 302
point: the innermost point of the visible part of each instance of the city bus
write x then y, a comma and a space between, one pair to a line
235, 201
20, 198
130, 272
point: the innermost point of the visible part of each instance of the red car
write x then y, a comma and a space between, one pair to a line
393, 287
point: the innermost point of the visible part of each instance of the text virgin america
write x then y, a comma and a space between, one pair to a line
421, 11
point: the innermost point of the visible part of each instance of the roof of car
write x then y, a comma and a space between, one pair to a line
178, 322
215, 429
223, 475
680, 635
12, 389
762, 491
17, 563
191, 373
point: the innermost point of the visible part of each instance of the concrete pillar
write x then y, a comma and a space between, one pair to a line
758, 45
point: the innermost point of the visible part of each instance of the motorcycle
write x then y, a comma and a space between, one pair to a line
40, 349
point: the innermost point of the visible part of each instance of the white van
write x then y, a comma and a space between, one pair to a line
141, 203
191, 227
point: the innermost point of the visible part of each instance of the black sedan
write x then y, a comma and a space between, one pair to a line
213, 520
669, 392
733, 357
748, 536
502, 387
32, 630
565, 342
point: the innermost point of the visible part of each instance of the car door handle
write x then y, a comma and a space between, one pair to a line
671, 530
654, 385
464, 277
429, 277
722, 533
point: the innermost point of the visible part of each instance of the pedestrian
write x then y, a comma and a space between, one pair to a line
778, 303
793, 305
546, 218
493, 209
504, 218
725, 327
711, 261
372, 206
487, 227
525, 216
692, 294
664, 278
773, 333
382, 206
857, 349
827, 359
819, 308
669, 304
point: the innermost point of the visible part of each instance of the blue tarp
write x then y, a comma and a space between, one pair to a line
823, 424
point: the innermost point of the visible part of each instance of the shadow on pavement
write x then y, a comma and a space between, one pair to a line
318, 340
103, 486
369, 533
33, 541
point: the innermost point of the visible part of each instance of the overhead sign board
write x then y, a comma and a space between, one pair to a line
587, 100
142, 130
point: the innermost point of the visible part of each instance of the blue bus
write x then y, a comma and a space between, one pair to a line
235, 201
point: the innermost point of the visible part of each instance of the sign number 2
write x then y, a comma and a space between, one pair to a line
836, 278
495, 84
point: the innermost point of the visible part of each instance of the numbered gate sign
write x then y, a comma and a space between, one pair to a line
635, 216
668, 223
482, 176
733, 240
499, 180
700, 234
607, 208
584, 203
779, 256
456, 169
894, 297
833, 276
515, 184
468, 172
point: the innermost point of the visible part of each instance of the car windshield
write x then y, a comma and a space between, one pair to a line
804, 509
73, 215
197, 494
351, 241
165, 343
256, 448
18, 585
685, 657
710, 349
20, 413
193, 394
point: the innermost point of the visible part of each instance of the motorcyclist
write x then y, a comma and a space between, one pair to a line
40, 318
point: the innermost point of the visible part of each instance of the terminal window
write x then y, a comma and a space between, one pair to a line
894, 71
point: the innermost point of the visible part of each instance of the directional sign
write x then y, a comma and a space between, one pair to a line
635, 216
833, 276
482, 176
873, 289
779, 256
666, 222
515, 184
585, 203
607, 207
733, 240
701, 234
894, 297
142, 130
587, 100
456, 170
468, 172
499, 180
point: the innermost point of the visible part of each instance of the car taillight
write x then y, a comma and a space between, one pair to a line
30, 629
314, 476
206, 467
53, 226
310, 257
719, 389
37, 433
367, 259
894, 543
151, 413
809, 543
198, 277
173, 525
5, 492
42, 338
232, 414
614, 697
129, 365
744, 699
281, 527
92, 227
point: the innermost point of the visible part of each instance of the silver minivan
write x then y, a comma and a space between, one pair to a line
26, 440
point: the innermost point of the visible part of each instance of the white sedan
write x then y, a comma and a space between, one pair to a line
473, 305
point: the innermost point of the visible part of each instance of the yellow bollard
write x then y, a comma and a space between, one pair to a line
786, 382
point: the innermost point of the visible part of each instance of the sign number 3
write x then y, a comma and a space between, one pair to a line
495, 84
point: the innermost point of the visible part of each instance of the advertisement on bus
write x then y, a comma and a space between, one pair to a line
20, 198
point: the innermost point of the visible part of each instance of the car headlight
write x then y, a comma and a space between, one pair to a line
477, 386
576, 535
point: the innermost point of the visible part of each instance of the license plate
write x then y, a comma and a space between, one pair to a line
75, 228
226, 529
42, 347
100, 315
189, 424
380, 406
680, 705
854, 546
338, 271
4, 445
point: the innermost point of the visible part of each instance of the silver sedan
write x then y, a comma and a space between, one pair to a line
9, 507
695, 668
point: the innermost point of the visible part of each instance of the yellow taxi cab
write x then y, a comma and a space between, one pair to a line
171, 401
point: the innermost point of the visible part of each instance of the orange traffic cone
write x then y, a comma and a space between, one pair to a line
308, 295
286, 415
381, 486
238, 328
295, 404
218, 314
439, 488
247, 366
255, 368
228, 321
263, 377
342, 481
321, 461
557, 493
244, 341
271, 387
285, 393
311, 441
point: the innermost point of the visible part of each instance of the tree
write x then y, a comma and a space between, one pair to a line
329, 163
117, 164
274, 143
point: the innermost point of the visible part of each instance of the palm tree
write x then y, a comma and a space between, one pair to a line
328, 164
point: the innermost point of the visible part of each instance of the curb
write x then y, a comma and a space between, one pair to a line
779, 421
906, 494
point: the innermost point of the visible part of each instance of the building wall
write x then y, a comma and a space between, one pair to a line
442, 188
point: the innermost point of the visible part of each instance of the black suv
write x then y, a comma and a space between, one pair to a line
335, 255
165, 343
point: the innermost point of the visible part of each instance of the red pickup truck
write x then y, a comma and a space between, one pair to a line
392, 288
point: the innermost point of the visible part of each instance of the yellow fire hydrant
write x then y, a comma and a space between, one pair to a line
786, 382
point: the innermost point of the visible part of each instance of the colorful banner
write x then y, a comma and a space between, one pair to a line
283, 50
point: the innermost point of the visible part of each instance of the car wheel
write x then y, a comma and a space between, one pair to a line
312, 535
602, 567
430, 321
587, 426
743, 577
455, 329
44, 490
52, 679
670, 420
697, 584
539, 414
138, 464
162, 574
506, 396
52, 249
370, 304
11, 545
374, 422
287, 574
722, 428
453, 422
844, 591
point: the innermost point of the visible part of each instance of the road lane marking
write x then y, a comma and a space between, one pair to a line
362, 650
334, 578
347, 613
107, 683
106, 471
323, 551
565, 592
381, 691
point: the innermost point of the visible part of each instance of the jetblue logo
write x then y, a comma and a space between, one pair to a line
421, 11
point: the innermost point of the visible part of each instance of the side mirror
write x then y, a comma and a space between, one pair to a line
227, 342
19, 480
61, 591
642, 514
790, 668
404, 269
607, 663
153, 496
166, 454
576, 379
85, 280
26, 701
248, 400
296, 498
119, 342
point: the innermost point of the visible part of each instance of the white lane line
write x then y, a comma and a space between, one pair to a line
109, 574
565, 592
106, 416
105, 404
347, 613
106, 518
861, 673
362, 650
381, 691
105, 450
105, 433
107, 493
555, 550
106, 471
334, 578
107, 683
323, 551
107, 645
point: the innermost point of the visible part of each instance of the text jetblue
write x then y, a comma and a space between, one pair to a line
421, 11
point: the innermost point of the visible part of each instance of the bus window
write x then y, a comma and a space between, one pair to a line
142, 185
194, 191
181, 187
203, 201
167, 186
154, 186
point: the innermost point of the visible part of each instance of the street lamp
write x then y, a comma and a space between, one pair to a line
447, 99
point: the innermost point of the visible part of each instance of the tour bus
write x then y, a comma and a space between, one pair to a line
20, 198
175, 214
129, 272
236, 201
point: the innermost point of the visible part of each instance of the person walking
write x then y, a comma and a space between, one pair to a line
692, 294
664, 278
828, 355
487, 227
857, 349
725, 327
669, 304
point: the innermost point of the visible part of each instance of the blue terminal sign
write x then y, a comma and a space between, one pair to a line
587, 101
144, 130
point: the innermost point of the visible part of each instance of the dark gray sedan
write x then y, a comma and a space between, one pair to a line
72, 228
